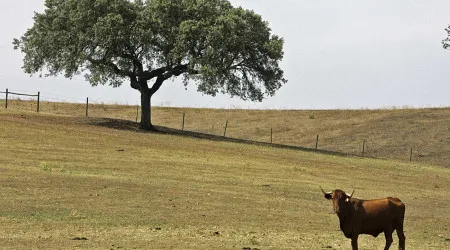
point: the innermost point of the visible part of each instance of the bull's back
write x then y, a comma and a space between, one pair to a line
385, 206
396, 201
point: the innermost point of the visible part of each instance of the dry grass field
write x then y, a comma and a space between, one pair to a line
93, 183
388, 134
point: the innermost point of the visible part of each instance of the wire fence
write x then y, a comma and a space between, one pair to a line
64, 105
228, 124
7, 93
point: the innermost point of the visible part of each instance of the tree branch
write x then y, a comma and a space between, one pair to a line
147, 75
163, 75
138, 67
134, 83
158, 83
176, 71
111, 65
238, 65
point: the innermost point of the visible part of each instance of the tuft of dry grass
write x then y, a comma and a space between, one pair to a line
94, 183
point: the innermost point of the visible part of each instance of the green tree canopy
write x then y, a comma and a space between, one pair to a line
446, 41
220, 48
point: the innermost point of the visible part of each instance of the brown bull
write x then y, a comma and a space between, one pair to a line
368, 217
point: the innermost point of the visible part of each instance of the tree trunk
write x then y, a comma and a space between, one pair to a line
146, 96
146, 110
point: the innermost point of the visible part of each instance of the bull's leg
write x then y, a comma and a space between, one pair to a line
388, 236
400, 234
401, 238
355, 241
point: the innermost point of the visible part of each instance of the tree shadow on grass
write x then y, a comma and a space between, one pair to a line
134, 126
114, 124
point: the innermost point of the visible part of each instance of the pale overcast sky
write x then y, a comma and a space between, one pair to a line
347, 54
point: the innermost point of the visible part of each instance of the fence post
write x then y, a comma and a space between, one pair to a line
87, 106
225, 130
317, 141
182, 120
271, 135
6, 100
137, 112
410, 155
364, 147
38, 99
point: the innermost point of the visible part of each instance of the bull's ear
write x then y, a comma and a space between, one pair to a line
327, 195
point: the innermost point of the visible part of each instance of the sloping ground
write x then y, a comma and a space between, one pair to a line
387, 133
72, 182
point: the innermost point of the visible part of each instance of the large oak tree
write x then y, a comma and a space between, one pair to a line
218, 47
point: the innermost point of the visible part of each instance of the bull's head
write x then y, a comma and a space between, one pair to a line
340, 199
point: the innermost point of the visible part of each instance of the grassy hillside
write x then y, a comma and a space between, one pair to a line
72, 182
387, 133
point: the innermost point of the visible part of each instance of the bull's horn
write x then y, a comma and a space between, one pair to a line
324, 191
350, 196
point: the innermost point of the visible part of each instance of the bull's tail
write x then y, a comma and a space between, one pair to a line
399, 225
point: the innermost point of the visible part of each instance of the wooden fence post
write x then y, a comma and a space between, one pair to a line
364, 147
38, 100
271, 135
6, 100
317, 141
182, 120
225, 130
410, 155
87, 106
137, 112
